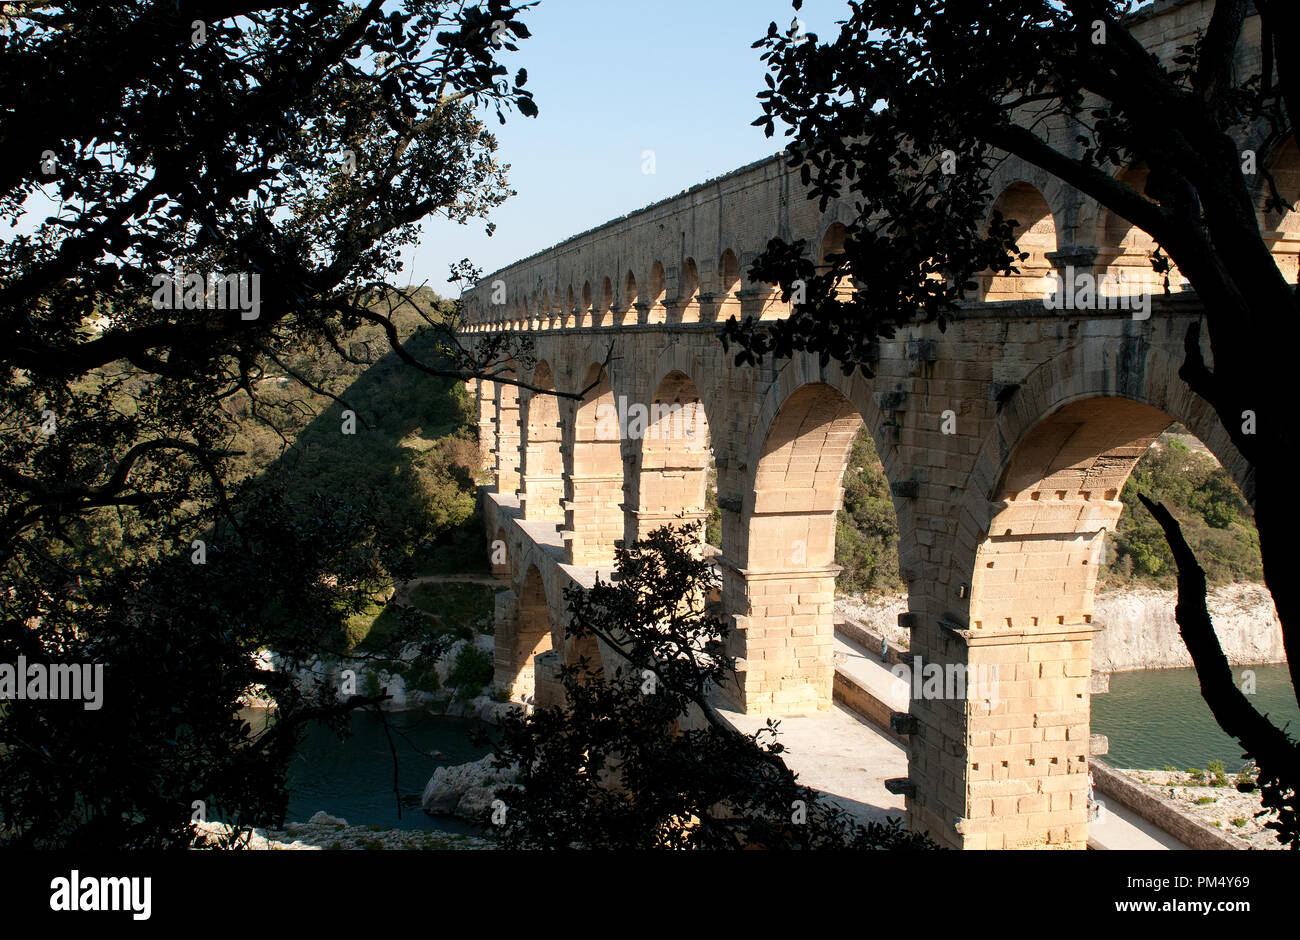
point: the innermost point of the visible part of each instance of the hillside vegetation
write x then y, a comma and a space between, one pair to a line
1215, 517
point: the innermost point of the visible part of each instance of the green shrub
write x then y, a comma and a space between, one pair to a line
470, 672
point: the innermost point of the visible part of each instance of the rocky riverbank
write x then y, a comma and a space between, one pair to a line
323, 831
465, 790
1223, 807
369, 678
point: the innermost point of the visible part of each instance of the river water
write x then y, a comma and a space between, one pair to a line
1156, 718
353, 778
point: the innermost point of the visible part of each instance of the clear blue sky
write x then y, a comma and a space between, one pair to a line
613, 79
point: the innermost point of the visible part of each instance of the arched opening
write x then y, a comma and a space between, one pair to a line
728, 272
1062, 522
1035, 235
519, 645
688, 291
1126, 252
655, 295
784, 588
1282, 229
606, 298
570, 305
1058, 498
542, 472
728, 286
507, 434
593, 486
833, 244
626, 312
675, 458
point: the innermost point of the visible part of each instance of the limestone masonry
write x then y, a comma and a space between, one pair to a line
1001, 521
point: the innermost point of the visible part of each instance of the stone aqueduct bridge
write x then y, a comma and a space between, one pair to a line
1001, 522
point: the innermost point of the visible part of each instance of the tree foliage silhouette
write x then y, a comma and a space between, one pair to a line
292, 147
639, 757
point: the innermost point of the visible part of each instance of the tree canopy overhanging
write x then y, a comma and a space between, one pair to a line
208, 195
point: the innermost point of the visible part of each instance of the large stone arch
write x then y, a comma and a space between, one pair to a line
1131, 363
861, 393
519, 643
593, 474
541, 484
779, 585
1043, 493
672, 458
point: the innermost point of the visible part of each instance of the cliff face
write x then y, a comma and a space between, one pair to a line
1137, 626
1138, 629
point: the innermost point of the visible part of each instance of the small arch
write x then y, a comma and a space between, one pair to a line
728, 272
629, 289
689, 288
1125, 255
607, 295
1282, 229
655, 294
832, 242
1035, 233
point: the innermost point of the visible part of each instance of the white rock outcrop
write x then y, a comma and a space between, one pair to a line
465, 789
1138, 630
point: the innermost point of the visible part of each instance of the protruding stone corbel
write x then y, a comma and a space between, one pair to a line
902, 723
900, 786
906, 489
